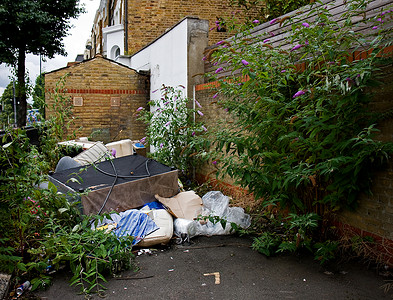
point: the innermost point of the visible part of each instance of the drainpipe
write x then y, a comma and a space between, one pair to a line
126, 26
193, 106
193, 102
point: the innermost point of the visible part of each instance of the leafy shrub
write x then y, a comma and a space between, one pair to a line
172, 129
290, 235
303, 136
40, 230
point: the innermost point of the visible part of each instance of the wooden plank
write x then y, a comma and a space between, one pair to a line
279, 35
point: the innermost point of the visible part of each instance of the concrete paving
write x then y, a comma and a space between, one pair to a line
225, 267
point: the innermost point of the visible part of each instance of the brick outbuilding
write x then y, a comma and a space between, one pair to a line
104, 96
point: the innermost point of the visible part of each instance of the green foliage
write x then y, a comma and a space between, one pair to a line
36, 27
39, 94
223, 222
172, 129
91, 254
326, 251
266, 244
7, 112
293, 234
303, 136
56, 128
41, 229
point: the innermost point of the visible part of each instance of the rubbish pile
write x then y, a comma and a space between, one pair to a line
144, 196
185, 215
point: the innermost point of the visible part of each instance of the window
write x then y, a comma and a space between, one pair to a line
115, 52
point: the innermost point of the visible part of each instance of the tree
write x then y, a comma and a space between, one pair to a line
32, 26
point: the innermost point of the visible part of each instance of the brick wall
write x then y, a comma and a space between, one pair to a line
374, 215
110, 93
159, 15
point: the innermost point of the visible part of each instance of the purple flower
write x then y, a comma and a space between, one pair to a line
214, 162
143, 140
204, 58
306, 43
215, 95
244, 62
200, 113
375, 27
139, 108
305, 24
255, 21
348, 79
220, 42
167, 123
283, 71
215, 63
296, 47
226, 109
166, 103
155, 91
299, 93
113, 151
265, 41
197, 103
331, 62
273, 21
204, 128
272, 33
380, 20
193, 133
219, 70
161, 145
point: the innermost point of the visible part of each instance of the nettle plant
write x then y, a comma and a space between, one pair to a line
172, 129
303, 135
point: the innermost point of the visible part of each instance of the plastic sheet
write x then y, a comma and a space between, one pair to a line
132, 222
217, 204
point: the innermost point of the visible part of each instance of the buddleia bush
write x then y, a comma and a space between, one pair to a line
303, 134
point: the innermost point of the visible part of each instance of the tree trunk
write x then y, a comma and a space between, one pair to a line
21, 98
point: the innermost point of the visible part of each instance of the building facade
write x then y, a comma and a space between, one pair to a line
124, 27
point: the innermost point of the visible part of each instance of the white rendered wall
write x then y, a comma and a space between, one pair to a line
166, 59
113, 37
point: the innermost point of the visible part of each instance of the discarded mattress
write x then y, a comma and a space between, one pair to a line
163, 235
97, 152
138, 180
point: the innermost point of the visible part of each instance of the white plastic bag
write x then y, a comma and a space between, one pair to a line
184, 226
217, 204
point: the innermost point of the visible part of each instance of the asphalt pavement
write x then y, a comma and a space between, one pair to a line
225, 267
